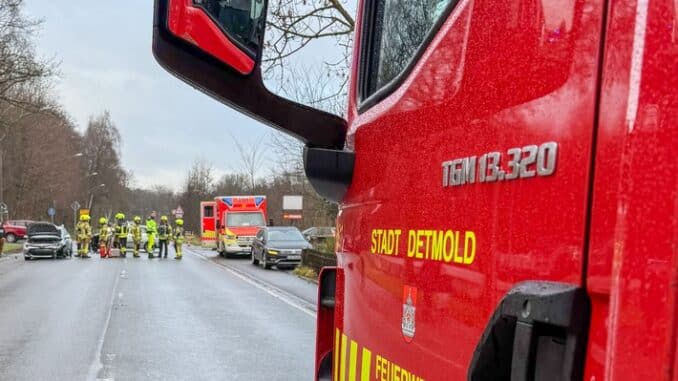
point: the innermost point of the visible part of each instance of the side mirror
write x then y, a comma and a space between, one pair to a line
216, 46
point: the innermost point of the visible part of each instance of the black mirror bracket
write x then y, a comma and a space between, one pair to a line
329, 171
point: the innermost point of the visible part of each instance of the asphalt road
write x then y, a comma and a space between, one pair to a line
139, 319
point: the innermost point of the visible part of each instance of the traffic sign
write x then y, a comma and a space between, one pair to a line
178, 212
75, 205
3, 208
51, 211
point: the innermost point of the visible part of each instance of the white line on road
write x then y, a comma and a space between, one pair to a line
270, 289
97, 364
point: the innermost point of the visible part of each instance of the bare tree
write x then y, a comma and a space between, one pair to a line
198, 187
252, 159
293, 25
19, 66
102, 154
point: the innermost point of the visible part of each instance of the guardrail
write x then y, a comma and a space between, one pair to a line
317, 260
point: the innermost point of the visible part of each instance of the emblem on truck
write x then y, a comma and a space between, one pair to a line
407, 324
522, 162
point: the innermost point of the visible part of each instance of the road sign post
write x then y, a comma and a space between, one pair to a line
51, 212
75, 206
293, 206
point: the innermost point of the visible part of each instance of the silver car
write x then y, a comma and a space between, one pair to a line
130, 238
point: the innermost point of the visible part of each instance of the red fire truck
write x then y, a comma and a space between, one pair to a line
506, 177
233, 222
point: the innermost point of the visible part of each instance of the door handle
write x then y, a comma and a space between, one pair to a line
538, 332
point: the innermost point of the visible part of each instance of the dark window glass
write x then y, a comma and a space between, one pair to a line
209, 211
399, 27
285, 235
235, 219
241, 19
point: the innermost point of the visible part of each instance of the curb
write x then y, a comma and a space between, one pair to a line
9, 257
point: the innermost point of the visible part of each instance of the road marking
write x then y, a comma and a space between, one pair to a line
284, 296
97, 364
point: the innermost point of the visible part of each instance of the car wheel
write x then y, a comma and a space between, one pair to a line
10, 237
265, 263
54, 255
27, 258
255, 261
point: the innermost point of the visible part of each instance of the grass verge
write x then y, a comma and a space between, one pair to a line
11, 248
306, 273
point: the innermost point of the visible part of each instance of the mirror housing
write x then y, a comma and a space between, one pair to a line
189, 43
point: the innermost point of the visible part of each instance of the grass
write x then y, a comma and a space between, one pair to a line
306, 272
324, 245
10, 248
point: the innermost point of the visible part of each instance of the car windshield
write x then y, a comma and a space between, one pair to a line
285, 235
236, 219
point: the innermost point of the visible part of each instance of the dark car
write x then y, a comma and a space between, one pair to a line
15, 230
318, 233
45, 240
279, 246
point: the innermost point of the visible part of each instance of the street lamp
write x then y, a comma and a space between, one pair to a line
91, 194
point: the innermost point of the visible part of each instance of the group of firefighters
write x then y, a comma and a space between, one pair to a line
114, 235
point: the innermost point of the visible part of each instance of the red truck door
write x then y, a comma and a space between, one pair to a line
472, 124
208, 214
633, 258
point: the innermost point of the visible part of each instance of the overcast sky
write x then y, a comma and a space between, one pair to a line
106, 63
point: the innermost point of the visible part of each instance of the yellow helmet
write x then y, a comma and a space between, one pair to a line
180, 222
137, 219
83, 217
103, 220
119, 216
163, 218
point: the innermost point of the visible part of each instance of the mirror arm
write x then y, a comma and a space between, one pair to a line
329, 171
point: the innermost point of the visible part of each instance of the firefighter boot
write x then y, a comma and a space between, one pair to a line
177, 248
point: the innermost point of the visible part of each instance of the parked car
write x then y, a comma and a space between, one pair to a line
45, 240
15, 230
318, 232
279, 246
144, 238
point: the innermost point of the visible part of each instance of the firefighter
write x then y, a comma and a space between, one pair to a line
121, 231
104, 238
151, 229
164, 235
83, 236
178, 237
136, 235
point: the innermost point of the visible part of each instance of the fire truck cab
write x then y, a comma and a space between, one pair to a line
236, 220
507, 183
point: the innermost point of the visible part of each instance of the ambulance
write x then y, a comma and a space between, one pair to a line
506, 177
233, 221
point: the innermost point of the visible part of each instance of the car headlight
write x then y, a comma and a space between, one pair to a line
273, 252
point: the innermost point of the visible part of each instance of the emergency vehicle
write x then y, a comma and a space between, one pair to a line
208, 231
233, 221
506, 177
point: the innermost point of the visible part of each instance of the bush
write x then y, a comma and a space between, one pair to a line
306, 272
325, 245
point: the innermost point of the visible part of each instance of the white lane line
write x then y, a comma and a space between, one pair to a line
97, 364
284, 296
